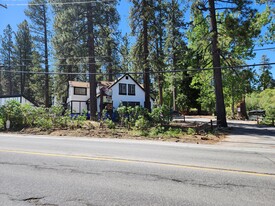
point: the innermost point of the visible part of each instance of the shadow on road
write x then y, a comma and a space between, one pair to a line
252, 130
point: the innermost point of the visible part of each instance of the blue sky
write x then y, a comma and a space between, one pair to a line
15, 15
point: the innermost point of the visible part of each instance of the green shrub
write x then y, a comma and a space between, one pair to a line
191, 131
44, 124
173, 132
2, 124
12, 111
142, 123
80, 119
29, 114
160, 115
110, 124
122, 112
157, 130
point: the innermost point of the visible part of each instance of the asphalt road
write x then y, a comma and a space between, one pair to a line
77, 171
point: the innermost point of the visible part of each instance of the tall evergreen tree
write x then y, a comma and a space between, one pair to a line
265, 79
23, 57
142, 17
7, 52
84, 37
175, 44
159, 31
38, 13
236, 20
125, 61
108, 39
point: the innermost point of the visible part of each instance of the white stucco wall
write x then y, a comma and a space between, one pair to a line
138, 97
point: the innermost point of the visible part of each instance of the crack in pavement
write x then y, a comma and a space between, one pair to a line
63, 168
185, 181
262, 155
35, 201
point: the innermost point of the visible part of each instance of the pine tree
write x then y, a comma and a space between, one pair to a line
79, 43
142, 17
38, 13
7, 52
175, 45
265, 79
125, 58
236, 24
23, 57
159, 31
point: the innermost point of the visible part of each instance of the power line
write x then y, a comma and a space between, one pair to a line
270, 48
4, 6
105, 56
151, 72
62, 3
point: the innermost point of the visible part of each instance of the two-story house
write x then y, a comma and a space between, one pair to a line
125, 90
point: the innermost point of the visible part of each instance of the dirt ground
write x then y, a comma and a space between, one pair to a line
94, 129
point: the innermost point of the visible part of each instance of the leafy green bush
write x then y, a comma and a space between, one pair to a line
263, 100
129, 115
160, 115
2, 124
110, 124
122, 112
173, 132
44, 124
191, 131
155, 131
29, 114
142, 123
12, 111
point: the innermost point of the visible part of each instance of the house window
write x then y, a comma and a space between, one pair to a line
80, 91
122, 89
131, 89
131, 104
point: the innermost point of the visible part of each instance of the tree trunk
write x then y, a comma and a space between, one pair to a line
10, 76
174, 88
160, 53
46, 56
1, 88
92, 69
109, 67
146, 75
220, 107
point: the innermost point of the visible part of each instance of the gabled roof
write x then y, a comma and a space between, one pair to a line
87, 84
140, 85
120, 78
105, 83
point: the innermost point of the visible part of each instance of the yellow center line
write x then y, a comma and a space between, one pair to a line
114, 159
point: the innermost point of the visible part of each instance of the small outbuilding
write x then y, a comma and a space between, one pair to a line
22, 99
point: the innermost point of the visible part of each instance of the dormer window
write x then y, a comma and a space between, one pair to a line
80, 91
